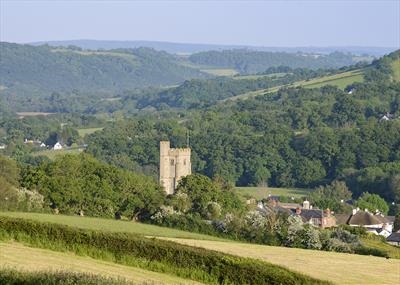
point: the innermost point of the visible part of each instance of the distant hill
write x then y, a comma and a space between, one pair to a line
26, 69
188, 48
250, 62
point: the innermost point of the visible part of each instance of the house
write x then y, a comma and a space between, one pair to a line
42, 145
387, 117
316, 217
394, 238
3, 146
374, 223
57, 146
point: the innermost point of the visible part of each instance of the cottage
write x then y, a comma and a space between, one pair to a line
374, 223
57, 146
316, 217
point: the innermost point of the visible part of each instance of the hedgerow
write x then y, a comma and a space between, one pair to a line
158, 255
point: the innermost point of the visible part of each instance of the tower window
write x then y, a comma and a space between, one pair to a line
172, 162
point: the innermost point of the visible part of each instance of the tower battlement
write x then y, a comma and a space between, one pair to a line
174, 164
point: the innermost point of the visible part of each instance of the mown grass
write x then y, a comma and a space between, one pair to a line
263, 192
157, 255
374, 242
220, 71
339, 268
108, 225
24, 260
12, 276
87, 131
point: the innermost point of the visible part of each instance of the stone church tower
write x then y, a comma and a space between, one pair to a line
174, 164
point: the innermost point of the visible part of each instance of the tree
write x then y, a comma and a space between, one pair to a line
372, 202
331, 196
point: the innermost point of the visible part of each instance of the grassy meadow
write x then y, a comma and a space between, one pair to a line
339, 268
220, 71
263, 192
87, 131
108, 225
340, 80
28, 259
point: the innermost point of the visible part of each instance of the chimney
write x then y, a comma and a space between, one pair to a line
327, 212
298, 211
306, 205
354, 211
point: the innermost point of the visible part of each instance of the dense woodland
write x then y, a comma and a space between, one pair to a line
325, 138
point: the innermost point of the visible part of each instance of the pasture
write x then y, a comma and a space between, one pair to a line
340, 80
108, 225
87, 131
339, 268
220, 71
24, 258
263, 192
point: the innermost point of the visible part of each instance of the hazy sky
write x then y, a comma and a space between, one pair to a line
260, 23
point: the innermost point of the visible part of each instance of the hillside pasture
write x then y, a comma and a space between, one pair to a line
339, 268
24, 258
108, 225
263, 192
340, 80
87, 131
220, 71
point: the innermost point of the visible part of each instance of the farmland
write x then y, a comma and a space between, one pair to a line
24, 258
339, 268
263, 192
108, 225
341, 80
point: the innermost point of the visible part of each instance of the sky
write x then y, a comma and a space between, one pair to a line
256, 23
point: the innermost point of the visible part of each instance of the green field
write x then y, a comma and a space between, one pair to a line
108, 225
263, 192
23, 258
52, 154
220, 71
87, 131
340, 268
340, 80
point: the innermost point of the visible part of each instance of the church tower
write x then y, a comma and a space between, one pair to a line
174, 164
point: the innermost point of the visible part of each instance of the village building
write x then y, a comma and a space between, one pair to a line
308, 214
57, 146
394, 238
174, 164
376, 223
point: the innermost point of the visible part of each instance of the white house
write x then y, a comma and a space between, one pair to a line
57, 146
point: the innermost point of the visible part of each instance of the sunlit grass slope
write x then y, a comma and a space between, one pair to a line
108, 225
24, 258
340, 268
